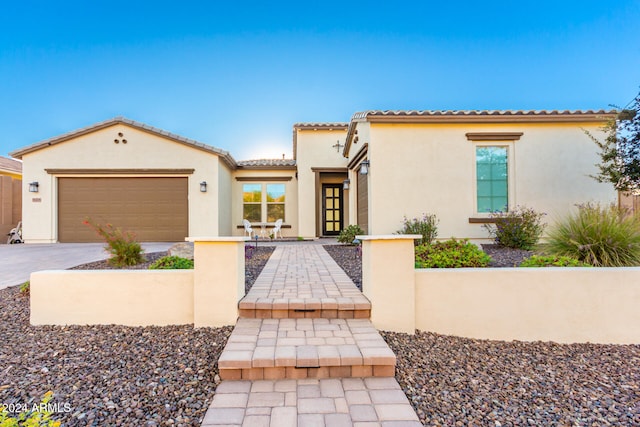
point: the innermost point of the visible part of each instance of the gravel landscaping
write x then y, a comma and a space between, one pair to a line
157, 376
505, 257
112, 375
349, 258
453, 381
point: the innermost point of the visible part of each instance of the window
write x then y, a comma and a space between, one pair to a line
275, 202
492, 178
252, 202
263, 202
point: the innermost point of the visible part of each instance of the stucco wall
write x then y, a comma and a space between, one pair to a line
314, 149
97, 150
225, 207
103, 297
417, 168
564, 305
269, 176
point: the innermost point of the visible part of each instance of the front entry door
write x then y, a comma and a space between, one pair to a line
331, 209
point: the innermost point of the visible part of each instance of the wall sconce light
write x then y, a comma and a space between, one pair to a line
364, 167
33, 187
345, 184
203, 186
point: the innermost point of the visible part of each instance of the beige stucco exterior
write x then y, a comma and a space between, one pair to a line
205, 297
420, 162
314, 150
566, 305
421, 168
389, 286
225, 194
97, 150
218, 280
104, 297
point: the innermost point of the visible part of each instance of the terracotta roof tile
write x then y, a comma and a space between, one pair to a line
319, 125
267, 163
370, 113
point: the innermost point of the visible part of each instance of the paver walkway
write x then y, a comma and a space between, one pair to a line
304, 352
304, 281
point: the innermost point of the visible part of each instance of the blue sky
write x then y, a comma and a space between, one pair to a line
237, 75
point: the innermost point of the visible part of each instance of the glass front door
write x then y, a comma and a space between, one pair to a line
331, 209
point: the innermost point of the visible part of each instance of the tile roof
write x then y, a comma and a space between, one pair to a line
116, 120
437, 113
318, 125
267, 163
473, 116
10, 165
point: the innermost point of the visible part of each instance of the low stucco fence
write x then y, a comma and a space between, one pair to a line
205, 296
566, 305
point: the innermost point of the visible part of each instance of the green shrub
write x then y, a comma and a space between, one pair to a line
25, 288
552, 261
122, 246
519, 228
33, 418
451, 254
172, 263
427, 227
349, 233
597, 235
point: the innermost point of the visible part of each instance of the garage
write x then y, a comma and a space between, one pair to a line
156, 209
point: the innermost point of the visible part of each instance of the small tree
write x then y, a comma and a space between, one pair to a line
620, 151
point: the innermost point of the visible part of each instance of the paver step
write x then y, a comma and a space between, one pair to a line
305, 348
311, 402
352, 307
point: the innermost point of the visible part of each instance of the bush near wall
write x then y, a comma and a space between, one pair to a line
552, 261
348, 234
172, 263
602, 236
450, 254
518, 228
427, 227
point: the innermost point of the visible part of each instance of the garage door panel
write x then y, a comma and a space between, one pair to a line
155, 209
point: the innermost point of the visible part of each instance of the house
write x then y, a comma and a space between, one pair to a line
10, 195
461, 165
371, 171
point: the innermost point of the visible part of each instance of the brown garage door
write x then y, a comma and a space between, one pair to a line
156, 209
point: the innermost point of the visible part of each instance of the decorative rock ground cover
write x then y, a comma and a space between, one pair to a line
112, 375
454, 381
108, 375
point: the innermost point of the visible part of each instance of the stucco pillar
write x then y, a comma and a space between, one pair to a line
388, 280
218, 282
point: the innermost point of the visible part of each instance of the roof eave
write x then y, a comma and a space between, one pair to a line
266, 167
493, 118
226, 157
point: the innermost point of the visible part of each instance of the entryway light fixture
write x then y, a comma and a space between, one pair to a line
33, 187
345, 184
203, 186
364, 167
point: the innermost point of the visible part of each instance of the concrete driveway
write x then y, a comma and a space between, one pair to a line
17, 262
